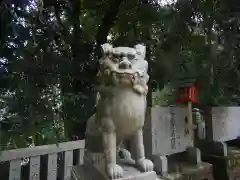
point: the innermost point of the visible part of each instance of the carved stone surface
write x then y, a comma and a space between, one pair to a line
165, 131
120, 109
225, 123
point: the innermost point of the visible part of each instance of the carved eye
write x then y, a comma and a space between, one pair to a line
130, 56
121, 55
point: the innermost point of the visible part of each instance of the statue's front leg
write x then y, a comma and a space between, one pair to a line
113, 170
142, 163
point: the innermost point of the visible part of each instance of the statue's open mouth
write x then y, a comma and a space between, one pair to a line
125, 77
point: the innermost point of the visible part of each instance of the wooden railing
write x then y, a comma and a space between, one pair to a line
51, 161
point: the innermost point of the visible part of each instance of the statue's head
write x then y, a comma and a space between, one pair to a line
121, 66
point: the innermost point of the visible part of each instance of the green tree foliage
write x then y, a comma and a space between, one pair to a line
49, 51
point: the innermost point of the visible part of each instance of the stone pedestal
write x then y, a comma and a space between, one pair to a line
96, 171
221, 147
225, 159
167, 145
188, 171
187, 165
195, 172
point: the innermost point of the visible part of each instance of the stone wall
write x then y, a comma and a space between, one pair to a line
225, 123
165, 131
165, 128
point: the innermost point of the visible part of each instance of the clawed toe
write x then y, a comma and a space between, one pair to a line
145, 165
114, 171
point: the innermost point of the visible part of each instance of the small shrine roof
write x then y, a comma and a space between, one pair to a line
188, 81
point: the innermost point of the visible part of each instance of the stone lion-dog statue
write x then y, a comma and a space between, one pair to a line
120, 109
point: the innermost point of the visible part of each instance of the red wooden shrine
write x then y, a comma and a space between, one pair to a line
187, 91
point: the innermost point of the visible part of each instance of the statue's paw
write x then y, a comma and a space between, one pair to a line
124, 154
144, 165
114, 171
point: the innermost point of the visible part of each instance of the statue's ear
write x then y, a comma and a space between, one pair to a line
106, 48
141, 50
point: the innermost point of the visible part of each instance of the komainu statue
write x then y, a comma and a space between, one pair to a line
120, 109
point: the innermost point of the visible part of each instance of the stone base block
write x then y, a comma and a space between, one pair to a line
90, 171
130, 173
225, 158
194, 172
184, 166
